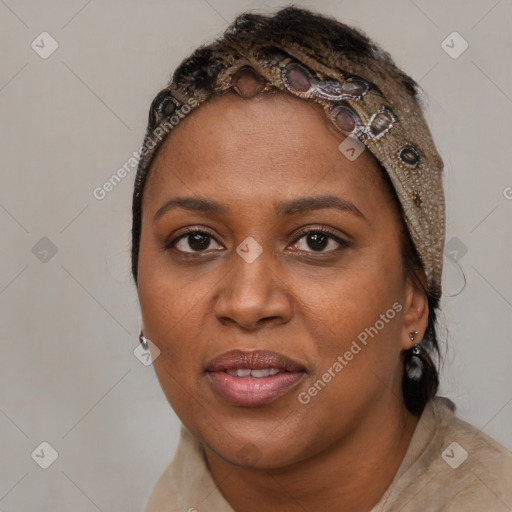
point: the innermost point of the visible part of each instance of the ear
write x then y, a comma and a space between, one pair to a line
415, 311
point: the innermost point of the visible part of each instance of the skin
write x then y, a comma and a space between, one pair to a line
345, 446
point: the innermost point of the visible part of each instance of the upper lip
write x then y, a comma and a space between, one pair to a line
256, 360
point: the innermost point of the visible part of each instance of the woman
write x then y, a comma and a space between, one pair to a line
288, 229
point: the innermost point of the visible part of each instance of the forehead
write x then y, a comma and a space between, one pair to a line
272, 144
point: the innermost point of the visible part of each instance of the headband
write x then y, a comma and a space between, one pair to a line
362, 92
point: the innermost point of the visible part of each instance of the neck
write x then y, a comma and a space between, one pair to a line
353, 472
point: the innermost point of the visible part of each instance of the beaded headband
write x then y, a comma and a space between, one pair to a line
369, 100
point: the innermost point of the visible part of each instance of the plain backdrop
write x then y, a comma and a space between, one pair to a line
69, 310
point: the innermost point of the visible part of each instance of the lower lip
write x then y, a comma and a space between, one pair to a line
251, 391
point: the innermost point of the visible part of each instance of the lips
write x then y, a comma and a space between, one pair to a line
253, 378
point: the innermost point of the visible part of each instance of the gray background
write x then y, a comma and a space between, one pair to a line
69, 320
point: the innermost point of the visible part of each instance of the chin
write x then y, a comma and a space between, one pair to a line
255, 454
257, 443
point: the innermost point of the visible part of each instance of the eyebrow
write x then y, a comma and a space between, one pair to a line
283, 209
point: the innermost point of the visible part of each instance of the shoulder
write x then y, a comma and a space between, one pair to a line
485, 464
468, 443
481, 465
451, 466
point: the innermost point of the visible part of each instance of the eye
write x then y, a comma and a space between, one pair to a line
192, 241
318, 240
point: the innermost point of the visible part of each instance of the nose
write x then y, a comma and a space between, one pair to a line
253, 295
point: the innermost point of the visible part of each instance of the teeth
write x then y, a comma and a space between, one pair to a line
247, 372
260, 373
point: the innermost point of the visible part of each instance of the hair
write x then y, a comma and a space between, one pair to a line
302, 24
417, 391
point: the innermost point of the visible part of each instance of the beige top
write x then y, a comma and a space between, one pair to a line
449, 466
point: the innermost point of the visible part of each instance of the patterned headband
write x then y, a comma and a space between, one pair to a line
372, 104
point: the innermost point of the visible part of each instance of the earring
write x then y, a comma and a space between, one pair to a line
143, 340
414, 365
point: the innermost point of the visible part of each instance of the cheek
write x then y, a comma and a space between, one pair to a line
355, 327
351, 298
166, 299
355, 314
171, 309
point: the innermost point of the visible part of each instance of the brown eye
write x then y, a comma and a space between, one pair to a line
192, 242
198, 241
318, 240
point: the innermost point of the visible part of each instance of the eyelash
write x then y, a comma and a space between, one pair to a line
323, 230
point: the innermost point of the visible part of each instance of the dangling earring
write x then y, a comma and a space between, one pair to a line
143, 340
414, 363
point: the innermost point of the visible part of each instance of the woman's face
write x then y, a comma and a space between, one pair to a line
276, 340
